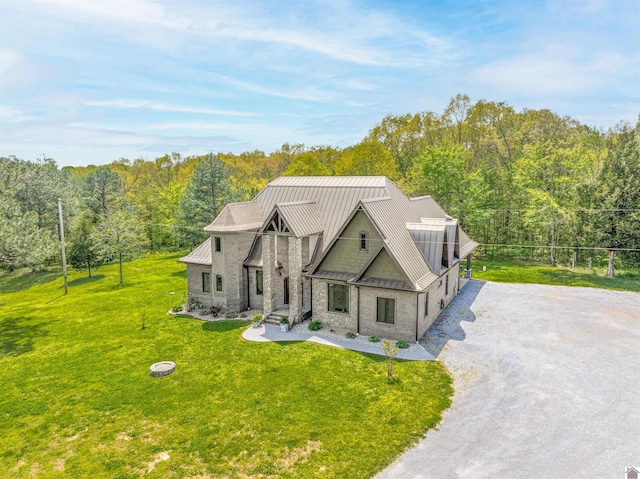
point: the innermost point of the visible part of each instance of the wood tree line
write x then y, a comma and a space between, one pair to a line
526, 178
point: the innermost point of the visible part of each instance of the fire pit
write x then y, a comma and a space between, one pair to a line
163, 368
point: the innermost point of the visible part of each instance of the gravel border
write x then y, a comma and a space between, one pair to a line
359, 339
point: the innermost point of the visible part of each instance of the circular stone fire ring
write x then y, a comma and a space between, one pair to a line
163, 368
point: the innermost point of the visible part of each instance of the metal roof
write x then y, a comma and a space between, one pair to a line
200, 255
331, 181
385, 283
314, 205
302, 217
237, 217
335, 275
389, 216
429, 240
335, 196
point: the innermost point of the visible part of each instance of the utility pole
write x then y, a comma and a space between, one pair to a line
64, 256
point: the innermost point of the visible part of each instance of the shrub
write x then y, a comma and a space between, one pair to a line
177, 308
374, 339
284, 320
350, 335
315, 325
243, 315
402, 344
231, 314
191, 303
256, 318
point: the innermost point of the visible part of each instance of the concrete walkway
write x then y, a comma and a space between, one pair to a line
271, 332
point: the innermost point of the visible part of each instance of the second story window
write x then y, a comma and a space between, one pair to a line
364, 241
218, 244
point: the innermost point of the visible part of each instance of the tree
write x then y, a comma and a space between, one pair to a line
208, 191
618, 225
82, 248
367, 158
119, 235
390, 352
441, 173
307, 164
102, 190
28, 210
21, 240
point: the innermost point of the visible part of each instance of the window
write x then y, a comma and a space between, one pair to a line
218, 283
386, 310
364, 241
426, 304
206, 282
218, 244
338, 298
446, 286
259, 282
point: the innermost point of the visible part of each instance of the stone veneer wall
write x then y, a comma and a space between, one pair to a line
256, 300
228, 264
218, 268
436, 293
270, 276
405, 314
340, 322
194, 283
295, 279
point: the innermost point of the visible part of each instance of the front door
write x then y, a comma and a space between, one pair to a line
286, 290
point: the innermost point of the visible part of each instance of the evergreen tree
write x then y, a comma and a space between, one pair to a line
208, 191
82, 248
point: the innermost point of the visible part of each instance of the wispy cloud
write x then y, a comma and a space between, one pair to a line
11, 114
158, 106
344, 32
547, 73
307, 94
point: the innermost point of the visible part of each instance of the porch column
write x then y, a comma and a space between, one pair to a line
268, 273
295, 279
467, 271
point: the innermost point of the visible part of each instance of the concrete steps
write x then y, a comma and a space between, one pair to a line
275, 317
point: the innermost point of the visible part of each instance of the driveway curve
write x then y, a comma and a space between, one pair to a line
547, 384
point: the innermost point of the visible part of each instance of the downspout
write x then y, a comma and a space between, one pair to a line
248, 287
311, 290
417, 314
358, 312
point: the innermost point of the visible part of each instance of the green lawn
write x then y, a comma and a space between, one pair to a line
77, 399
511, 271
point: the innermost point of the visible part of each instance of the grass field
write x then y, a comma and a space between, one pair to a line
77, 399
511, 271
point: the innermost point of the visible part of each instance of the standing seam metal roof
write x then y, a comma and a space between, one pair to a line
200, 255
335, 197
302, 217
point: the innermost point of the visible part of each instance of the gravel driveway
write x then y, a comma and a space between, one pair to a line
547, 384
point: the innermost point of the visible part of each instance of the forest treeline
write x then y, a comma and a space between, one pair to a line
529, 178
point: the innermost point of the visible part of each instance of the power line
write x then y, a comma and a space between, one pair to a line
503, 245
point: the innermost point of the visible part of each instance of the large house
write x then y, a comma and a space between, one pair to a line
354, 253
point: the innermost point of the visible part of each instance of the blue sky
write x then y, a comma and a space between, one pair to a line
90, 81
